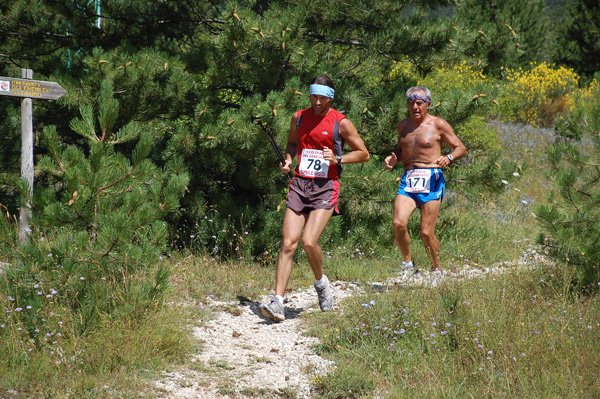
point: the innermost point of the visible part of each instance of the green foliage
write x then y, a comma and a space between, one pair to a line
578, 37
478, 136
490, 174
50, 36
505, 33
99, 229
571, 220
199, 73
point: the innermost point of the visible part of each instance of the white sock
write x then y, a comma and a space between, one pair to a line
278, 298
322, 282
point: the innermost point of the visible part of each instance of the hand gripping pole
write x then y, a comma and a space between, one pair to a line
264, 123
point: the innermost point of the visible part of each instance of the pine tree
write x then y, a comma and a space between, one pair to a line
571, 221
505, 33
578, 38
99, 227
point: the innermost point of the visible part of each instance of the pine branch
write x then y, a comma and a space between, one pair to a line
580, 161
322, 38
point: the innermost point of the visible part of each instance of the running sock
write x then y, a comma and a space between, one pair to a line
322, 282
278, 298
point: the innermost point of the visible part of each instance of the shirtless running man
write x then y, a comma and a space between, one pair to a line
420, 140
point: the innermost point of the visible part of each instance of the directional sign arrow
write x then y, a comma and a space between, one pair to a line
37, 89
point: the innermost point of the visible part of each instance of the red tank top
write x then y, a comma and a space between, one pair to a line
314, 133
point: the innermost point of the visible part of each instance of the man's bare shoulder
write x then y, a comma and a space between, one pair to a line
345, 122
402, 124
439, 122
347, 127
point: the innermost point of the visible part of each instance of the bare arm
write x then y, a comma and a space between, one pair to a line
450, 138
359, 153
291, 148
394, 159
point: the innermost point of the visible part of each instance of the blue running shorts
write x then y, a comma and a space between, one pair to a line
422, 185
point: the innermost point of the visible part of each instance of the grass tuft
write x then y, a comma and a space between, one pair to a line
524, 334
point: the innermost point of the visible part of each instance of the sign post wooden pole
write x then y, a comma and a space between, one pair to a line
28, 88
26, 159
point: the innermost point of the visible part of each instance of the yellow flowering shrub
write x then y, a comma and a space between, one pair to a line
537, 95
400, 68
589, 95
462, 75
447, 77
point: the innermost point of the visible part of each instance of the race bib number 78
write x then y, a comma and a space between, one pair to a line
313, 164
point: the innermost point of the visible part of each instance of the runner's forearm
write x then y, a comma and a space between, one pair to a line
458, 152
291, 150
356, 156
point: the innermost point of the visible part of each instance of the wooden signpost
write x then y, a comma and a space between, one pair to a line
27, 88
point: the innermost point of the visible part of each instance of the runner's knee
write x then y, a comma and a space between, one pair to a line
400, 224
309, 244
427, 235
289, 245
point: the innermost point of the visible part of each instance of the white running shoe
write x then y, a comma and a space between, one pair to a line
325, 295
273, 310
410, 267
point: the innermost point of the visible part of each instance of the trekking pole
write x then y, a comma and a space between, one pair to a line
263, 122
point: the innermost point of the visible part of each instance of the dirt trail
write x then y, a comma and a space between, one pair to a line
245, 355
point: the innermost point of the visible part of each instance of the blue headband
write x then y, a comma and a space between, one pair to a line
321, 90
415, 96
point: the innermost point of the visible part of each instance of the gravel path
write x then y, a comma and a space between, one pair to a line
245, 355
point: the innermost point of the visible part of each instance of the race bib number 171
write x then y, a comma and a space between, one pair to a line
313, 164
418, 180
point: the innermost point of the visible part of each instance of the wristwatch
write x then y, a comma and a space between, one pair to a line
338, 158
450, 157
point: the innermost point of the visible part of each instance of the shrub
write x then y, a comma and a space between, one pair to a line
571, 221
98, 231
538, 95
462, 75
477, 136
589, 95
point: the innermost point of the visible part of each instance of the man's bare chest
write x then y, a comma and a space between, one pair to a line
420, 139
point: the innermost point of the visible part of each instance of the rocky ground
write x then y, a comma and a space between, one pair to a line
245, 355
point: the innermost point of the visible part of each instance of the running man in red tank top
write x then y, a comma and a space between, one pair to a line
317, 136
